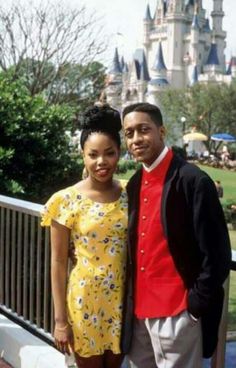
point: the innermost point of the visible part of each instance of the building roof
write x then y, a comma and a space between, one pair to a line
213, 56
231, 63
195, 24
116, 67
141, 65
159, 63
148, 14
190, 2
206, 28
159, 81
194, 75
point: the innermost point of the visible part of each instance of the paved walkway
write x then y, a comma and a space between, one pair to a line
230, 358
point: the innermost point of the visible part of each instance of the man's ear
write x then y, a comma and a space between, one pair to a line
162, 132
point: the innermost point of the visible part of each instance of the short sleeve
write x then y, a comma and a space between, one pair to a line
60, 208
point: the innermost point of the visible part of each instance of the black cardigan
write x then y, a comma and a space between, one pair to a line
198, 240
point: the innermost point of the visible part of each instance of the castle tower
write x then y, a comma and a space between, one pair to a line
179, 50
175, 20
158, 80
220, 35
114, 83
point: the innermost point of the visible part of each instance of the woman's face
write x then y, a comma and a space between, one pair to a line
101, 155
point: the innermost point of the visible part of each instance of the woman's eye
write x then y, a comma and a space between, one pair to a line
92, 155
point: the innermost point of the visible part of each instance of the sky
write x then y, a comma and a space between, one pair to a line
123, 22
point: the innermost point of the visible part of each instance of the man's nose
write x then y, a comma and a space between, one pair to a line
137, 137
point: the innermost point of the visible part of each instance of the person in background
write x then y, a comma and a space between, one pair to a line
178, 252
219, 188
91, 217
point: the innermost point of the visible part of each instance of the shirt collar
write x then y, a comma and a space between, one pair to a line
157, 161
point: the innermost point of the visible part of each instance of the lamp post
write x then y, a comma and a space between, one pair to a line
183, 121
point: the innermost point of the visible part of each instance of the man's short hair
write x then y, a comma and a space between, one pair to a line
152, 110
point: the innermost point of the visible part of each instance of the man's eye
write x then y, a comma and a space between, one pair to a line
111, 153
128, 134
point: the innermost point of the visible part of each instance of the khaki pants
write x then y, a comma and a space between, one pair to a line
172, 342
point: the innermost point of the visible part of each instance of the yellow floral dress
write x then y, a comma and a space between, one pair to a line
96, 283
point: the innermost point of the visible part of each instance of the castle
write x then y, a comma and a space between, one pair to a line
180, 48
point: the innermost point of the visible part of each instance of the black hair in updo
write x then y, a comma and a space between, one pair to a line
103, 119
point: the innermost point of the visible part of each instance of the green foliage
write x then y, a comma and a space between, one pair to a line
35, 156
207, 107
126, 165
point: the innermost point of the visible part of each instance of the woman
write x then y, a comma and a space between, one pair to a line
91, 216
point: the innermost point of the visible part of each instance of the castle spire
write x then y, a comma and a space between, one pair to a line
159, 63
194, 75
213, 55
148, 17
116, 67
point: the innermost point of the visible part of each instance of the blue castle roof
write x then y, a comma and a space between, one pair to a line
194, 75
116, 67
159, 63
159, 81
141, 65
148, 14
213, 56
195, 24
231, 63
206, 27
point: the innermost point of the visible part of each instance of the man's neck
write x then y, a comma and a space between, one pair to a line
157, 161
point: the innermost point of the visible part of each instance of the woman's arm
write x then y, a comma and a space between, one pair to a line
60, 236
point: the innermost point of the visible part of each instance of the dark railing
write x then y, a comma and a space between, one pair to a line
25, 293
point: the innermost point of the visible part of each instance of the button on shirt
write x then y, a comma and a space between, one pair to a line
160, 291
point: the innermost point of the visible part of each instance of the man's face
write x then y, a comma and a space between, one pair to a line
144, 139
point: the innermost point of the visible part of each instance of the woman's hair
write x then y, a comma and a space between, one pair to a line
103, 119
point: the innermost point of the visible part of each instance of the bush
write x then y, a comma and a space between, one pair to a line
35, 156
125, 165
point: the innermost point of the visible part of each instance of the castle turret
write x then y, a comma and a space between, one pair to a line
220, 35
194, 78
158, 80
114, 82
212, 66
174, 48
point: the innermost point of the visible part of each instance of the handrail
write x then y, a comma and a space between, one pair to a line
25, 290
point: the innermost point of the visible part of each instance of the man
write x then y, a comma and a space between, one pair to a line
179, 252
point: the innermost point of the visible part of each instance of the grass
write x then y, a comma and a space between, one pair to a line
228, 181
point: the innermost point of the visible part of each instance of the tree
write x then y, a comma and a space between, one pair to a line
210, 108
35, 155
40, 41
82, 86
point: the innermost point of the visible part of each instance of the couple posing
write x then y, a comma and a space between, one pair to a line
151, 256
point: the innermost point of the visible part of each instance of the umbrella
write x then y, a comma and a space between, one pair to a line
223, 137
194, 136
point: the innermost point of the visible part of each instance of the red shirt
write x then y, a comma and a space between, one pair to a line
160, 291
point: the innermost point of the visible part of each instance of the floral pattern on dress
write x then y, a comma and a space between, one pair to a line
96, 283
